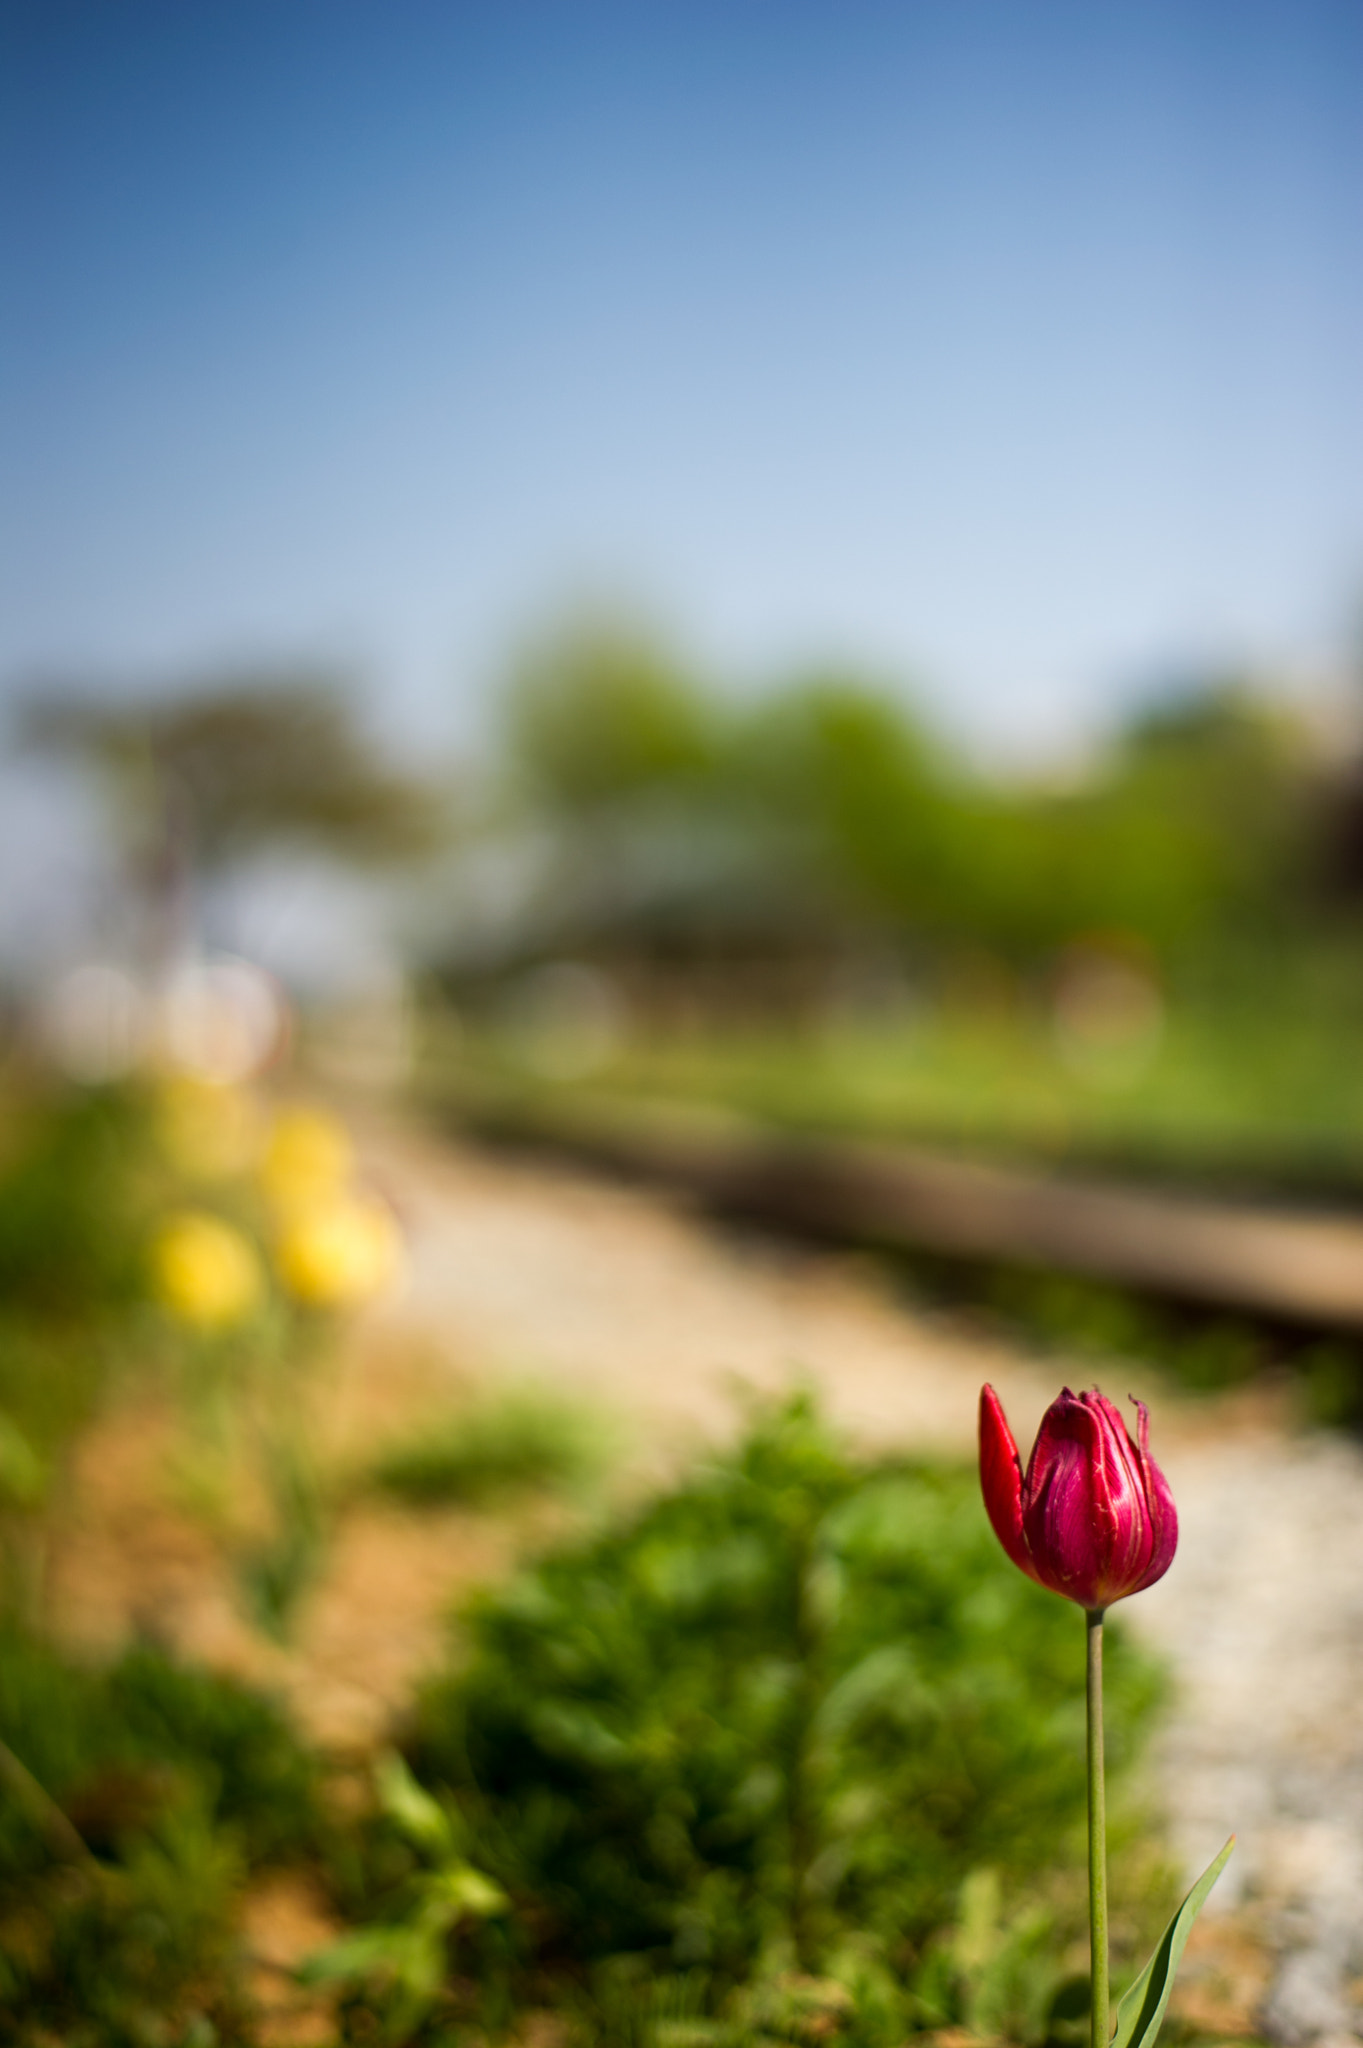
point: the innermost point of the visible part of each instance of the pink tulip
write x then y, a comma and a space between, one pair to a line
1093, 1517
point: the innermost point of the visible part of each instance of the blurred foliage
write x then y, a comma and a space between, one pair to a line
178, 1784
236, 765
1201, 1350
70, 1209
838, 774
833, 812
138, 1798
490, 1448
239, 761
75, 1204
402, 1965
598, 718
1251, 1080
139, 1955
112, 1745
140, 1252
786, 1752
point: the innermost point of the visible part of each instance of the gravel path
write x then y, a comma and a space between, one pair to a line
1262, 1618
543, 1272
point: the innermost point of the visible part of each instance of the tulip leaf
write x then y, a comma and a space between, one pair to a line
1142, 2010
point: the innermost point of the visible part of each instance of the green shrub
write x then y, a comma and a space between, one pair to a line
762, 1737
141, 1953
113, 1745
178, 1782
71, 1215
72, 1219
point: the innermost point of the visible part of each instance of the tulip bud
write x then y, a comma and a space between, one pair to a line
1093, 1517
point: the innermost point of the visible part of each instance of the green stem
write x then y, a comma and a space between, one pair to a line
61, 1834
1099, 2028
800, 1806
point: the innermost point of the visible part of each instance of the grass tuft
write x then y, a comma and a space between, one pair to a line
499, 1446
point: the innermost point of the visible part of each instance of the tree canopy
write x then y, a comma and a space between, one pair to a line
245, 761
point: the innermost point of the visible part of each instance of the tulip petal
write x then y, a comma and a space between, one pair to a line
1123, 1479
1083, 1508
1059, 1502
1160, 1504
1001, 1481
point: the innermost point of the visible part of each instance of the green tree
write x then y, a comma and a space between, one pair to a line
840, 770
201, 778
598, 717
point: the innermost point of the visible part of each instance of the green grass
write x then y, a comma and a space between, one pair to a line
494, 1448
1256, 1079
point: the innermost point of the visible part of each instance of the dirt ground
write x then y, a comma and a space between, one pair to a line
521, 1270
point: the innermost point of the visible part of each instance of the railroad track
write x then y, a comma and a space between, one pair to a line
1285, 1263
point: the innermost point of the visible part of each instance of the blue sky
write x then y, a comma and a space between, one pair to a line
1009, 346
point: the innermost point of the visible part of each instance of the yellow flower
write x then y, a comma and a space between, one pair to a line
308, 1160
205, 1271
341, 1253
